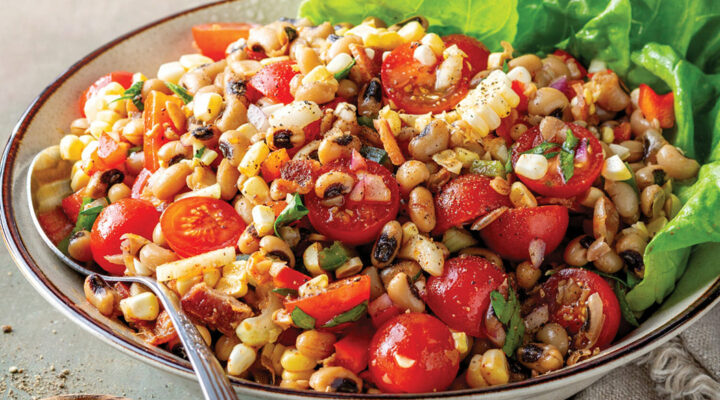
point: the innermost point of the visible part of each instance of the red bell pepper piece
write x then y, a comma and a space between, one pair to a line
55, 224
71, 205
622, 132
124, 78
519, 88
352, 351
157, 121
382, 309
288, 278
655, 106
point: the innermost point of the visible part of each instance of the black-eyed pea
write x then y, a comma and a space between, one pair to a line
227, 177
170, 180
576, 251
79, 246
277, 248
411, 174
422, 209
233, 144
249, 241
333, 183
409, 268
547, 101
606, 219
625, 199
652, 200
675, 164
100, 294
527, 275
335, 380
158, 237
540, 357
403, 293
387, 245
434, 138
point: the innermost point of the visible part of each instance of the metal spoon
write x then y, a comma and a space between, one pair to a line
49, 168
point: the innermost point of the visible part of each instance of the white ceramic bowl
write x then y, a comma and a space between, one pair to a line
144, 50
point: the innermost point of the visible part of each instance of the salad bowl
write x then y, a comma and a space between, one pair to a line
143, 50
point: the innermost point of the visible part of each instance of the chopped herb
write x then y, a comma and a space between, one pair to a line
631, 181
291, 33
242, 257
567, 156
342, 74
508, 165
508, 312
85, 221
180, 92
624, 307
134, 149
541, 148
632, 280
199, 152
133, 93
285, 291
294, 211
505, 66
92, 211
366, 121
417, 276
380, 156
301, 319
333, 257
351, 315
488, 168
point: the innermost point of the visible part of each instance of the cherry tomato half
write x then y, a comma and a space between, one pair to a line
124, 78
510, 235
410, 84
354, 222
339, 297
124, 216
568, 311
477, 53
460, 297
588, 163
273, 81
413, 353
196, 225
464, 199
214, 38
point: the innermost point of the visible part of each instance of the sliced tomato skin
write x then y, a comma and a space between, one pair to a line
569, 315
510, 235
460, 297
124, 78
367, 220
214, 38
273, 81
418, 337
407, 83
340, 296
552, 184
124, 216
465, 199
477, 53
196, 225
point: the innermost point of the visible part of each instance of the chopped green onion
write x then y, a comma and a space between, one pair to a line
380, 156
180, 92
342, 74
489, 168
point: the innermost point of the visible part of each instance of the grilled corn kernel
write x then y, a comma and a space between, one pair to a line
474, 377
392, 118
253, 158
349, 268
313, 286
533, 166
79, 180
425, 55
240, 359
171, 72
263, 218
143, 306
207, 106
614, 169
411, 32
383, 40
608, 135
256, 190
71, 148
318, 74
462, 343
494, 367
449, 160
234, 280
310, 259
466, 157
339, 63
434, 42
98, 127
293, 361
192, 61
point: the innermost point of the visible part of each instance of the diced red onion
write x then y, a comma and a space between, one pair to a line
561, 84
494, 328
537, 252
357, 162
537, 317
581, 153
257, 117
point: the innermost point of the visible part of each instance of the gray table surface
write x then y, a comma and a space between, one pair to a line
40, 39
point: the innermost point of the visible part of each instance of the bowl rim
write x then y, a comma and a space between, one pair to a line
164, 360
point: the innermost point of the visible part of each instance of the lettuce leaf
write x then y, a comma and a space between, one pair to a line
669, 45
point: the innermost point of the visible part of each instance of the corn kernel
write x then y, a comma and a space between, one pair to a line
448, 159
71, 148
339, 63
383, 40
473, 377
143, 306
392, 118
520, 74
263, 218
494, 368
98, 127
614, 169
192, 61
314, 285
108, 116
79, 180
253, 158
240, 359
292, 360
224, 346
256, 190
234, 281
93, 105
362, 30
207, 106
115, 105
139, 77
349, 268
211, 277
434, 42
86, 139
608, 135
89, 150
466, 157
272, 60
112, 88
425, 55
171, 72
310, 259
462, 342
411, 32
533, 166
318, 74
183, 285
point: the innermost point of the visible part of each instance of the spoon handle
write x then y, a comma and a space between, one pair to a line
211, 375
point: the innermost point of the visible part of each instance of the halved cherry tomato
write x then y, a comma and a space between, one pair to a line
140, 183
510, 235
124, 216
460, 297
565, 56
477, 53
588, 163
196, 225
55, 224
351, 351
410, 84
71, 205
464, 199
353, 222
655, 106
124, 78
288, 278
214, 38
413, 353
339, 297
157, 122
568, 311
273, 81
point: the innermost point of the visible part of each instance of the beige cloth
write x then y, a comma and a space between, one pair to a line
43, 37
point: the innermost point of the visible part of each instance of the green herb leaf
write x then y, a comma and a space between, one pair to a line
514, 334
199, 152
366, 121
567, 156
508, 165
491, 168
85, 221
133, 93
331, 258
503, 309
342, 74
92, 211
417, 276
380, 156
351, 315
508, 312
301, 319
134, 149
541, 148
242, 257
180, 92
285, 292
294, 211
624, 307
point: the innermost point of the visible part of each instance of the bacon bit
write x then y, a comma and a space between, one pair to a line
389, 143
214, 309
161, 332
